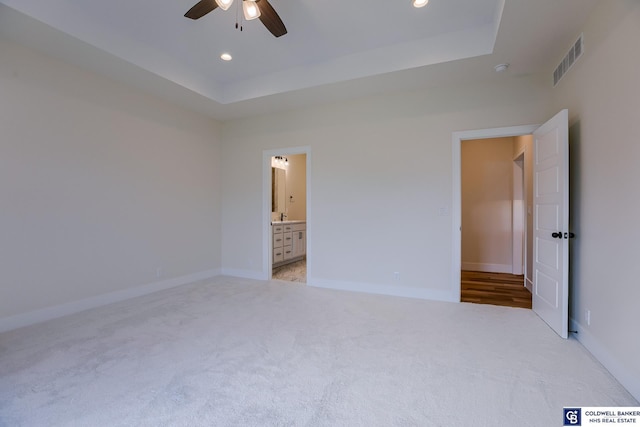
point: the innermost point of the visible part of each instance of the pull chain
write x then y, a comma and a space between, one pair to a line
238, 14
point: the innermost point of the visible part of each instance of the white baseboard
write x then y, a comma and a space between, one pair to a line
489, 268
627, 378
528, 284
245, 274
42, 315
371, 288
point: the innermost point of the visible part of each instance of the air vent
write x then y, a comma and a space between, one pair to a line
569, 59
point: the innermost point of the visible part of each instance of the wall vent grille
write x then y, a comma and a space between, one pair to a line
569, 59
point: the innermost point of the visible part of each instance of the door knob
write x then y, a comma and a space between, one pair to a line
556, 235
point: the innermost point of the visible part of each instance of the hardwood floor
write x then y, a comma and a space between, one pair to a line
494, 288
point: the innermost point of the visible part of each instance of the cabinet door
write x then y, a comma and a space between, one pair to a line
299, 247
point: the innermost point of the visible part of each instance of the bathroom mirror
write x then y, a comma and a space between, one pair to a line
278, 190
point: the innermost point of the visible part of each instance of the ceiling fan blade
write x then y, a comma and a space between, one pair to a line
270, 19
201, 8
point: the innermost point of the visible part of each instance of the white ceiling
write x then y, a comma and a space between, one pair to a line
333, 50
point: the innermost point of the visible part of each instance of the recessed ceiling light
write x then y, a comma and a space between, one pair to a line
420, 3
226, 57
500, 68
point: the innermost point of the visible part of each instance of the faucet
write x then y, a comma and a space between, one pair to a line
282, 216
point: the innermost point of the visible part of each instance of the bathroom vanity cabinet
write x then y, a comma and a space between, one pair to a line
289, 241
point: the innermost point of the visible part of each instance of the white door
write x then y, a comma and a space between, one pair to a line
551, 223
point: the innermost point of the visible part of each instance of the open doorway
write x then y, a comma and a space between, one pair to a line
548, 261
495, 217
287, 223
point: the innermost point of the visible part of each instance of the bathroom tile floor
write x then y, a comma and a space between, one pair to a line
294, 272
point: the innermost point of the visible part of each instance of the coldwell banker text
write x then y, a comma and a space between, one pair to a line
599, 416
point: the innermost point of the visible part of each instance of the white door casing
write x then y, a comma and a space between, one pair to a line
518, 217
551, 223
267, 246
456, 209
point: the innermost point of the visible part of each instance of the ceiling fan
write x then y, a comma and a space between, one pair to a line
252, 9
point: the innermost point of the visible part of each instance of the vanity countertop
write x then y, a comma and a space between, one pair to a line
293, 221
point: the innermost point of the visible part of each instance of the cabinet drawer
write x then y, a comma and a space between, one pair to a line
288, 227
277, 229
288, 252
278, 255
288, 238
278, 240
298, 227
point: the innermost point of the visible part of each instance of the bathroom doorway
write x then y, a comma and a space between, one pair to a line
286, 222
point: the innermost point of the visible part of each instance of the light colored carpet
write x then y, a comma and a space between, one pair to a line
232, 352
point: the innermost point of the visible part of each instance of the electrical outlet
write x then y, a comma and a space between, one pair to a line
396, 276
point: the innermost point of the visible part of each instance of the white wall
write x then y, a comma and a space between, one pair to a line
602, 93
487, 194
100, 186
381, 169
297, 187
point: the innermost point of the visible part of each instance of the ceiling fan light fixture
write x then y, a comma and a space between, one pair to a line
224, 4
418, 3
250, 9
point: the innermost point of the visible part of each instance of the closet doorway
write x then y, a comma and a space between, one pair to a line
495, 215
549, 259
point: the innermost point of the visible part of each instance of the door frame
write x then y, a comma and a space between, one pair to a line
519, 218
456, 205
267, 246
